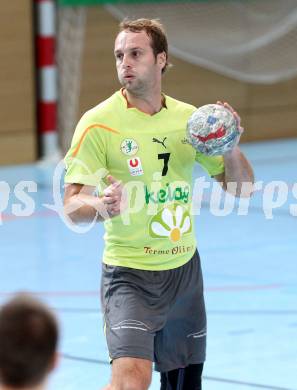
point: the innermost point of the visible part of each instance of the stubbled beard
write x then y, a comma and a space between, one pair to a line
135, 86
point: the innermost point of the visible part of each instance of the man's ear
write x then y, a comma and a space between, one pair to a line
161, 58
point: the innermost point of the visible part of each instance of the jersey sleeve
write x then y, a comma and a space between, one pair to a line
213, 165
86, 159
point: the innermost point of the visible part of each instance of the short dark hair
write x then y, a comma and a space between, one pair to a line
154, 30
28, 341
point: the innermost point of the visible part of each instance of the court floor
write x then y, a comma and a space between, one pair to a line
249, 260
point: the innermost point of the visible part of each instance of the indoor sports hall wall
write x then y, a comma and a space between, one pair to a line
17, 126
267, 111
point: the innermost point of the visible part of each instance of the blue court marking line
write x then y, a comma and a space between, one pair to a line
241, 331
252, 312
7, 217
84, 359
204, 204
257, 210
96, 292
209, 378
242, 383
245, 287
55, 294
40, 185
273, 160
209, 312
76, 310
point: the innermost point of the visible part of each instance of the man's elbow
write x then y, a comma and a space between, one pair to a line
71, 212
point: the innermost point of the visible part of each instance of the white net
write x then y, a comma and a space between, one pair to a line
70, 39
253, 41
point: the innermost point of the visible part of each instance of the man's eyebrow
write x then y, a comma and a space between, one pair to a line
130, 49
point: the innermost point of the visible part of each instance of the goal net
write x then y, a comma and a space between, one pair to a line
254, 41
70, 40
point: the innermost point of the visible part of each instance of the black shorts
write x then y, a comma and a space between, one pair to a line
155, 315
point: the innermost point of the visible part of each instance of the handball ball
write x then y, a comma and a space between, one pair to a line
212, 130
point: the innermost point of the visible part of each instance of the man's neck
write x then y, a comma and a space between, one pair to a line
149, 104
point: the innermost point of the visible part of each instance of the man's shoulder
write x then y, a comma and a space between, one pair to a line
104, 108
179, 105
101, 116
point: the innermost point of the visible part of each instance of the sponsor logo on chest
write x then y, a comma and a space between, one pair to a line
135, 167
129, 147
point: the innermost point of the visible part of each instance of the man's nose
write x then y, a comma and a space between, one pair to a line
126, 61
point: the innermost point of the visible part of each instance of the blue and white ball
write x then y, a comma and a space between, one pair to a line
212, 130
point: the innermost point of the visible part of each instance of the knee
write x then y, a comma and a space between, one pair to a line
131, 375
132, 383
136, 379
136, 383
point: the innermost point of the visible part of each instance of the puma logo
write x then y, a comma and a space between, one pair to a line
160, 142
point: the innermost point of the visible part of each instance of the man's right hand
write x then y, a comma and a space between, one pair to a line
114, 197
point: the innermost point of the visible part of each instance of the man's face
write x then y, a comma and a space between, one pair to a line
138, 69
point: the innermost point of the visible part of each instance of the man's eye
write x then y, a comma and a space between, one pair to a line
119, 56
135, 53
